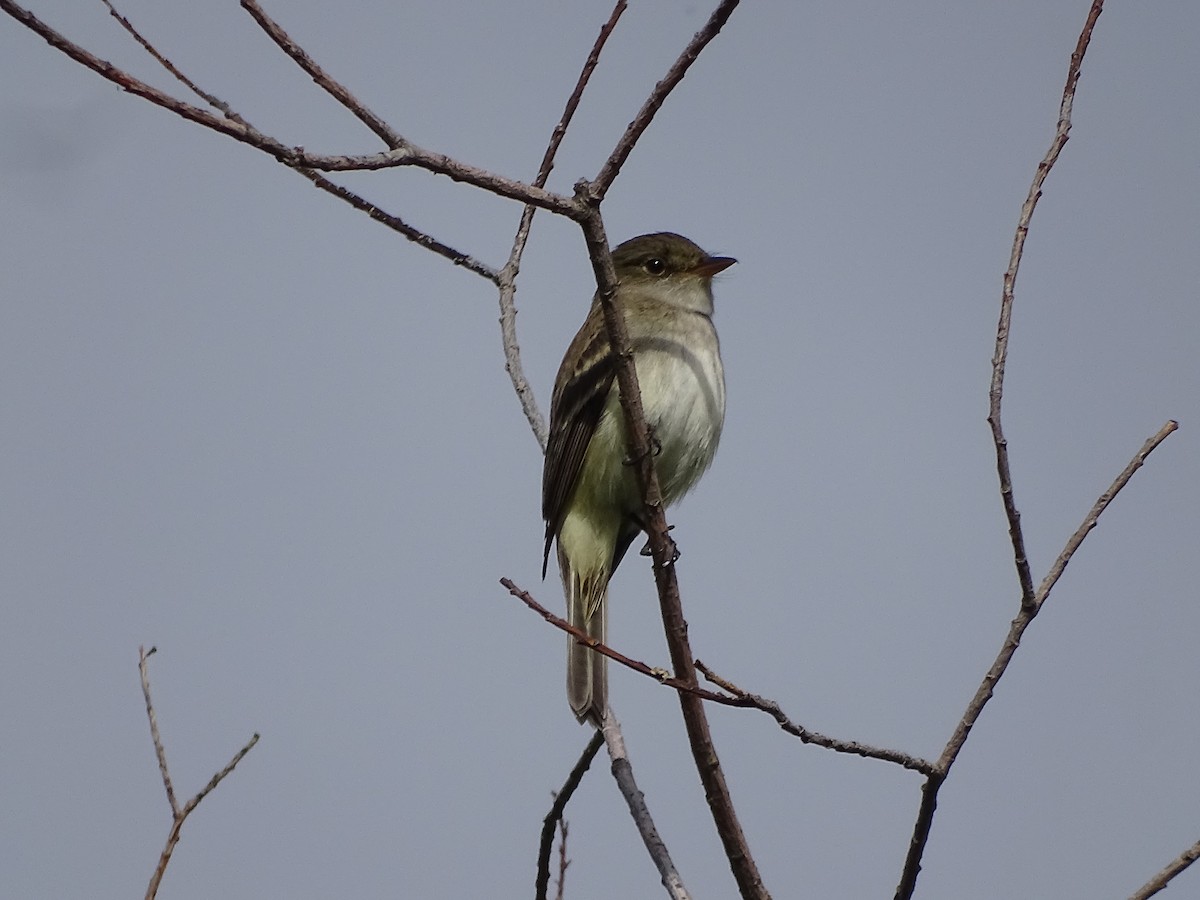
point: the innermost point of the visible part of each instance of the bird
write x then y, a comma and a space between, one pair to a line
591, 502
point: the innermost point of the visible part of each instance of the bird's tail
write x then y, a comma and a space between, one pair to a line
587, 670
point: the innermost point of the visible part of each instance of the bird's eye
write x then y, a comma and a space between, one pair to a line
655, 266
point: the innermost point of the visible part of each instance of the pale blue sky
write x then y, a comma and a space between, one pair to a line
246, 424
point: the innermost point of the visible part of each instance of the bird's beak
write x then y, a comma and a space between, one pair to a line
711, 265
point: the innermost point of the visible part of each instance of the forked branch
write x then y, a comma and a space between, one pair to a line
735, 696
1031, 601
178, 813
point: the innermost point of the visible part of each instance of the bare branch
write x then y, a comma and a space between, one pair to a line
736, 697
1027, 614
659, 675
708, 765
920, 837
211, 99
1163, 878
1101, 504
983, 694
220, 776
159, 752
1029, 600
608, 173
334, 88
748, 700
623, 774
563, 862
394, 222
457, 257
178, 814
554, 817
297, 157
508, 275
999, 358
585, 74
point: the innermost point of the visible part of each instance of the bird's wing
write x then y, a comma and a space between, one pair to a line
575, 409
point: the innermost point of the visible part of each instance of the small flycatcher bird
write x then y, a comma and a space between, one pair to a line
590, 498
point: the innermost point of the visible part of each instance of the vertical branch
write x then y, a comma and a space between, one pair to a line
995, 396
159, 752
563, 861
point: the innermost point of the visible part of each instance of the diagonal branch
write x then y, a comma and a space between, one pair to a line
1091, 520
327, 83
983, 694
746, 699
397, 224
623, 774
582, 637
612, 166
1163, 878
1027, 614
737, 697
508, 275
394, 222
297, 157
557, 808
211, 99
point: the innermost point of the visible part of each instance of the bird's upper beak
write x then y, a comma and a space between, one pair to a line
711, 265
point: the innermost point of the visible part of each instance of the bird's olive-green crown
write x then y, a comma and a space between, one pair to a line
650, 257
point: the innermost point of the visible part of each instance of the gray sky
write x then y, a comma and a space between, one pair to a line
246, 424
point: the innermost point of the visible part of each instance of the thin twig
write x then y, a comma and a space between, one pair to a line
1101, 504
297, 157
1026, 615
983, 694
159, 752
563, 861
394, 222
557, 808
1062, 132
326, 82
178, 814
1163, 878
773, 709
736, 697
612, 166
508, 275
1029, 603
660, 675
397, 224
622, 772
211, 99
585, 74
